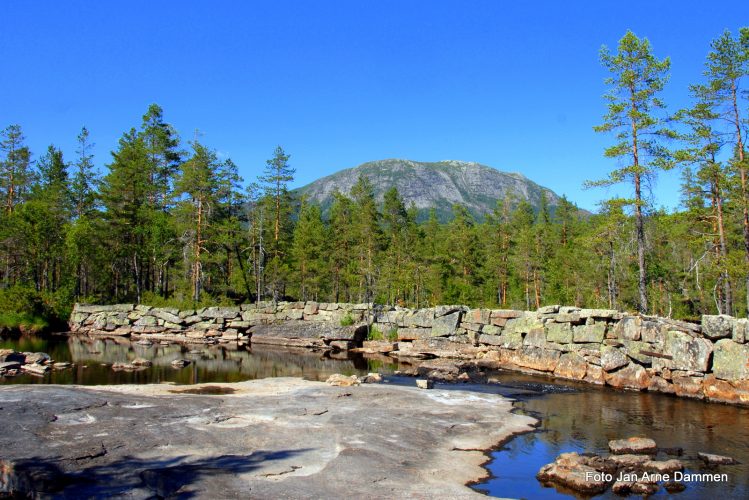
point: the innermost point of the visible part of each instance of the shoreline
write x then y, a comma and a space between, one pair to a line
369, 440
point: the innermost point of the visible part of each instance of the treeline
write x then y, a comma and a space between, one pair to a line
169, 223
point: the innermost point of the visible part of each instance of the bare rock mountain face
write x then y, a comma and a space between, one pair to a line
436, 185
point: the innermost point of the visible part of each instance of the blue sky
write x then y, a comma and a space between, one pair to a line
514, 85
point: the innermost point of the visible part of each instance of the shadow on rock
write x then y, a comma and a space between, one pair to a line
159, 478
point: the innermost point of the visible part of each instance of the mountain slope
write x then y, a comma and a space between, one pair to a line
436, 185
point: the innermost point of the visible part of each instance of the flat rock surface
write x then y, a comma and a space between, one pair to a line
270, 438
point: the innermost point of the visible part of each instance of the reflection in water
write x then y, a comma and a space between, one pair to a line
93, 358
585, 421
573, 417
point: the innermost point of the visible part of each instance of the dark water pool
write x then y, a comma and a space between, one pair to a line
585, 419
93, 359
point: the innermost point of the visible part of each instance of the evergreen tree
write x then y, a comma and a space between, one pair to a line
124, 193
206, 185
726, 68
85, 182
309, 251
16, 173
637, 79
366, 226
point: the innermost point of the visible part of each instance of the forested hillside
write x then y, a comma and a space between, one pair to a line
169, 222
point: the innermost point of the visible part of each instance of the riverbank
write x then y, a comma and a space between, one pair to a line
268, 438
707, 361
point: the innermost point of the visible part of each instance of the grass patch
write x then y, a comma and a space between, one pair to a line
376, 334
23, 321
347, 320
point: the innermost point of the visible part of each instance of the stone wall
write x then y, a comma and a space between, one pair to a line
599, 346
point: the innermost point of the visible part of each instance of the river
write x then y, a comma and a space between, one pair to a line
573, 417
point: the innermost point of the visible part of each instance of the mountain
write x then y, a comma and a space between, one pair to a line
436, 185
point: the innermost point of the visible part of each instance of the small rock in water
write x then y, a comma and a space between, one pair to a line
674, 487
629, 460
424, 383
644, 488
61, 365
35, 369
622, 487
339, 380
38, 358
127, 367
180, 363
145, 342
372, 378
663, 466
572, 471
141, 362
712, 459
633, 445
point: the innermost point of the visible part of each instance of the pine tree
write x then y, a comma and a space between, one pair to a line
395, 231
206, 185
637, 79
85, 181
704, 143
276, 177
366, 226
726, 68
309, 250
124, 193
16, 173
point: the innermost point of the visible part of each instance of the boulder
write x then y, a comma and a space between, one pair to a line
478, 316
628, 460
731, 360
589, 333
559, 332
39, 358
342, 380
548, 309
712, 459
372, 378
180, 363
444, 326
570, 470
687, 352
35, 369
663, 466
167, 315
630, 377
633, 446
629, 328
688, 386
741, 331
544, 360
424, 384
571, 366
717, 327
9, 355
612, 358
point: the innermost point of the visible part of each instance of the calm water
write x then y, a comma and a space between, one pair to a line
586, 419
573, 417
93, 358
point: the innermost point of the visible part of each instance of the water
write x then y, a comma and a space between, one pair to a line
573, 417
93, 359
585, 419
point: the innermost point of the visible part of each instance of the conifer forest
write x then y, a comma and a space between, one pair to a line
165, 221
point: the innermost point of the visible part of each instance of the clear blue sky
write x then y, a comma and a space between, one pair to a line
514, 85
